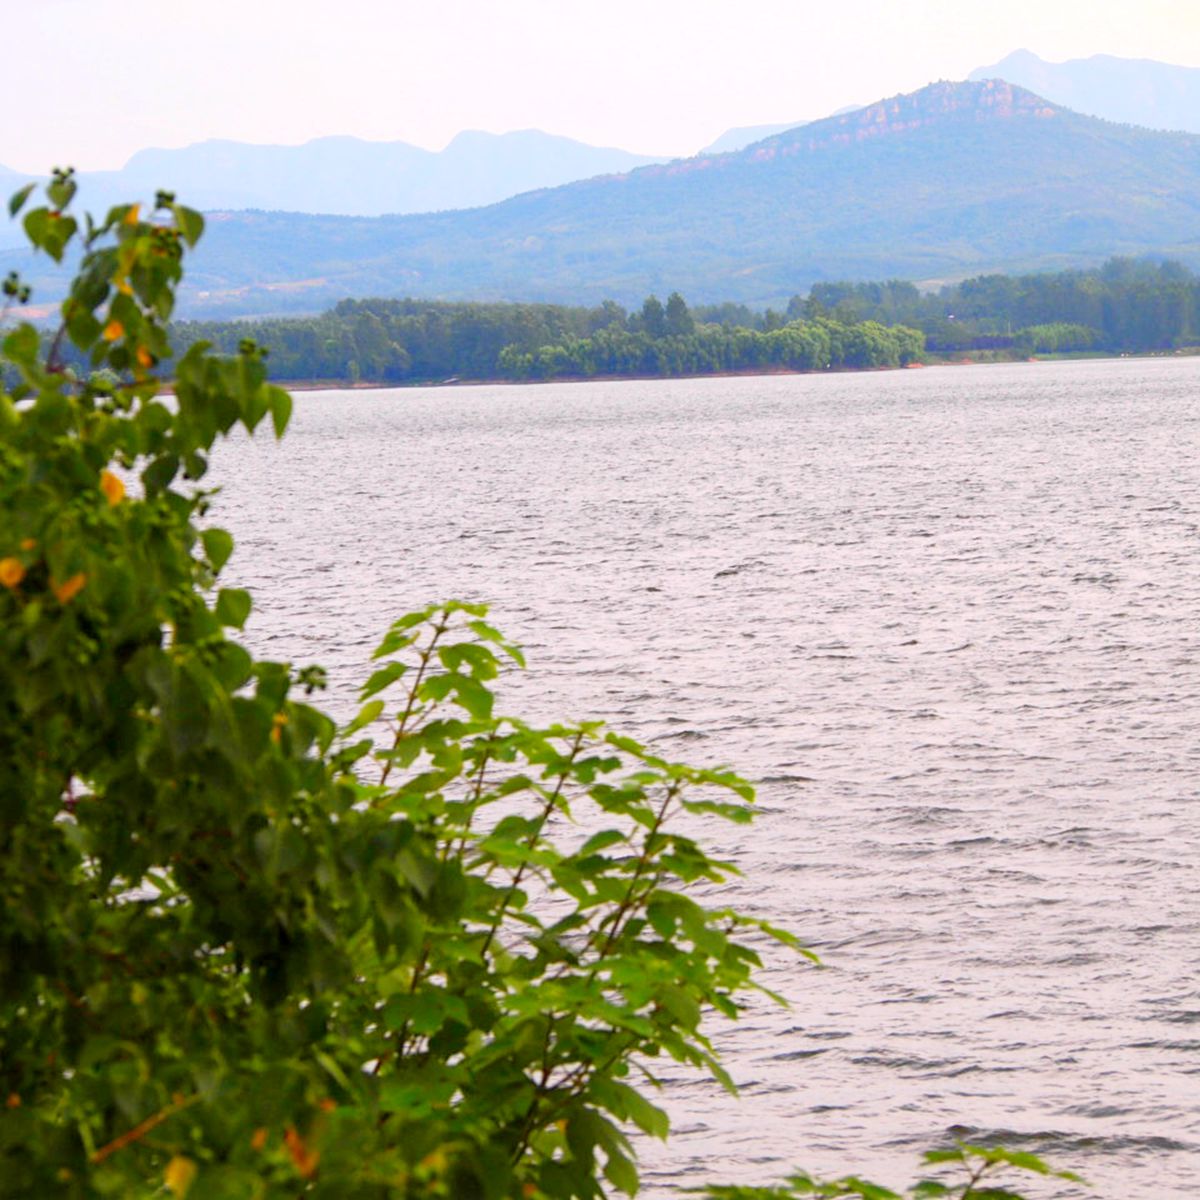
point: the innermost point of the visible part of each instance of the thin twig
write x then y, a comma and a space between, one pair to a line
547, 809
140, 1130
426, 655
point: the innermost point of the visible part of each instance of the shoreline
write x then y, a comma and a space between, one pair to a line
334, 385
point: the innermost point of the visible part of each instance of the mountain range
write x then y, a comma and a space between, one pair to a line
349, 176
951, 180
353, 177
1131, 91
948, 181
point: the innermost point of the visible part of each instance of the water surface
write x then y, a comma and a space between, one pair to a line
948, 618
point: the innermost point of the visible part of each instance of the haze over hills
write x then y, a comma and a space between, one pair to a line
949, 181
1133, 91
348, 176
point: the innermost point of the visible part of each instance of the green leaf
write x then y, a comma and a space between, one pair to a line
233, 606
868, 1191
479, 660
218, 546
681, 1005
158, 475
280, 404
468, 693
620, 1171
82, 327
366, 715
50, 231
17, 199
61, 190
232, 665
489, 633
189, 223
22, 345
383, 678
35, 224
601, 841
1021, 1159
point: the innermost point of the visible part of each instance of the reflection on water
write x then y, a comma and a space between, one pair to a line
948, 618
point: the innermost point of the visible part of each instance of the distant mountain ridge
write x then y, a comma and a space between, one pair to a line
1132, 91
352, 177
953, 180
742, 136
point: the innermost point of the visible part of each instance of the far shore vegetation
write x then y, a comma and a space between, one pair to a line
1127, 306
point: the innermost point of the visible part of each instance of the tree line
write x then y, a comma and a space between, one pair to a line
1125, 305
397, 341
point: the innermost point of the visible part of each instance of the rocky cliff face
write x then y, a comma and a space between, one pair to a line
989, 100
982, 101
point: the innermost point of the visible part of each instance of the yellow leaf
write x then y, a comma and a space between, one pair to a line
12, 571
179, 1175
112, 487
113, 330
66, 591
305, 1159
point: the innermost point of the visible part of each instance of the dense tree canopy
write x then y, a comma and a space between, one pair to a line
394, 341
1127, 305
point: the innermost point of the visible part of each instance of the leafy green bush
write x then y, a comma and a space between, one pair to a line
244, 953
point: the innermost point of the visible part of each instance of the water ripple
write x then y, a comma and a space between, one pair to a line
947, 618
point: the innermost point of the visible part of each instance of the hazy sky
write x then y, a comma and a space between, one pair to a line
90, 81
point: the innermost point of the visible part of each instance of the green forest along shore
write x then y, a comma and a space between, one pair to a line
1127, 306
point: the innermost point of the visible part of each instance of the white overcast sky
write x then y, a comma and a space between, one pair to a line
88, 82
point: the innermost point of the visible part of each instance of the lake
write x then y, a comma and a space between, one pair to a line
948, 618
